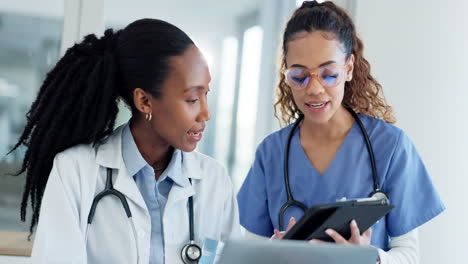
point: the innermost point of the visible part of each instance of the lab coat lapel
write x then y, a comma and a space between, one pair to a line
190, 169
109, 155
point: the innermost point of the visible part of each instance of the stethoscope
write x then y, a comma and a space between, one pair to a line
376, 194
190, 253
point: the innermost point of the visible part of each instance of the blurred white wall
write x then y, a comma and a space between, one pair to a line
418, 50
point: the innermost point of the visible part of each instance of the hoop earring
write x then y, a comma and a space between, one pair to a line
148, 117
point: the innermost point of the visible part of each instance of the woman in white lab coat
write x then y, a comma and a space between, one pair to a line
73, 153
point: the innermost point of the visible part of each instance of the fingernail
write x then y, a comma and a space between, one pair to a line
292, 219
329, 232
354, 222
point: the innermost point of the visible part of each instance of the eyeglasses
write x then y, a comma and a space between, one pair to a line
329, 76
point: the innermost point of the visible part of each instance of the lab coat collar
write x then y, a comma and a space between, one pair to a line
191, 169
134, 161
174, 169
191, 166
109, 155
132, 157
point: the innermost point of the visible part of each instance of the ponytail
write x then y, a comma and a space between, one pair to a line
76, 104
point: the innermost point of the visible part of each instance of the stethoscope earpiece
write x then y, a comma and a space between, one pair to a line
191, 253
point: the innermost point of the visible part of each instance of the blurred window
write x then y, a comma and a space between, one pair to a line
30, 38
247, 107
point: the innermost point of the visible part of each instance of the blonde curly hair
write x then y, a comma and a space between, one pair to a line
363, 93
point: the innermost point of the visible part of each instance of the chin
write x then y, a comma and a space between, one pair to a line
188, 147
318, 119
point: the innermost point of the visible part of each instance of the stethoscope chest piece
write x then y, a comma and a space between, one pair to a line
191, 253
380, 196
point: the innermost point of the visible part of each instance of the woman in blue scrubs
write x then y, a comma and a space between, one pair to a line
322, 72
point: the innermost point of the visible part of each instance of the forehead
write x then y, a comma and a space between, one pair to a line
313, 49
189, 69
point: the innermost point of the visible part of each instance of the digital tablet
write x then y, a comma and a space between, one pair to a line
338, 216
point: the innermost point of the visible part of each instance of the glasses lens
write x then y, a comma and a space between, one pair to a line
297, 78
329, 76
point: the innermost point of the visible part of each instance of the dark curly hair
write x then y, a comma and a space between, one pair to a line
78, 101
363, 93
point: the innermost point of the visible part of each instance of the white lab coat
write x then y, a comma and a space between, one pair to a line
79, 173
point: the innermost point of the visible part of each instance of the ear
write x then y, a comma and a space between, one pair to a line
350, 68
142, 102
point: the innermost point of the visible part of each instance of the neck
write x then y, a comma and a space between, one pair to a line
334, 129
153, 148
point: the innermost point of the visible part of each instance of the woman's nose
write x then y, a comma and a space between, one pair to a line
314, 87
204, 114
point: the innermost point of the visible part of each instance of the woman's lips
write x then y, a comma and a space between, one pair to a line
195, 135
317, 106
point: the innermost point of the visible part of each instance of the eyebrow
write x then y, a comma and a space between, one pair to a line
196, 87
321, 65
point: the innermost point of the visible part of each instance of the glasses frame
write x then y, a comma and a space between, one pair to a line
315, 71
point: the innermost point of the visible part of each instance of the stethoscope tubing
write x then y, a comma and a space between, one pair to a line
290, 199
109, 190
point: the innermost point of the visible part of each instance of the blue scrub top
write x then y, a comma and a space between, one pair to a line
402, 175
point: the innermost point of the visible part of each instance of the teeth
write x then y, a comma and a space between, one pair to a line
316, 105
